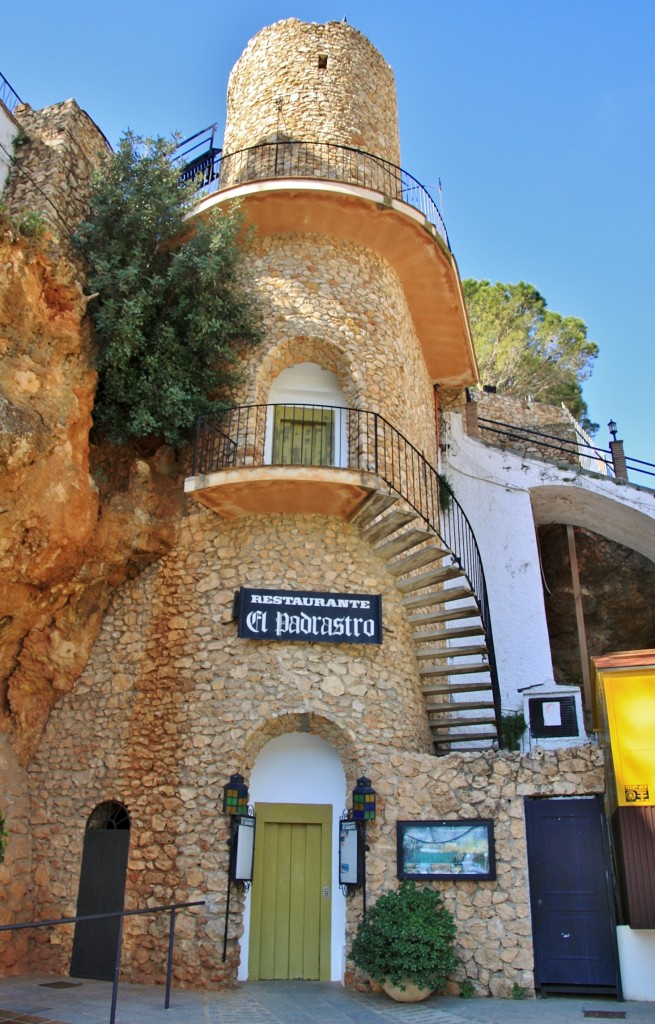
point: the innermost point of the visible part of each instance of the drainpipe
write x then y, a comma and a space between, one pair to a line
435, 389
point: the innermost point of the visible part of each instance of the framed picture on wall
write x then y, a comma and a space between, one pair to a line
459, 849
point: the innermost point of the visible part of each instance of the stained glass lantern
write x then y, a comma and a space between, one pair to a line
364, 800
235, 796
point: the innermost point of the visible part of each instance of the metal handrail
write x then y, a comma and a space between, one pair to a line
322, 435
587, 455
325, 161
169, 907
8, 96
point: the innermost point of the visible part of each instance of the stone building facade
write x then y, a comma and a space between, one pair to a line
363, 320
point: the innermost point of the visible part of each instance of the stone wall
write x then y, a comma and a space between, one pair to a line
340, 305
277, 89
524, 416
172, 702
57, 150
15, 870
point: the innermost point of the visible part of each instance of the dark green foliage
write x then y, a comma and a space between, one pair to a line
525, 349
408, 935
170, 318
513, 726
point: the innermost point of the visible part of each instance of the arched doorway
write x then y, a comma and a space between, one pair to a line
307, 427
101, 890
294, 920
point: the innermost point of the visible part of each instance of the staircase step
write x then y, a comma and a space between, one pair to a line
403, 542
451, 705
465, 737
444, 690
417, 559
438, 653
448, 634
437, 597
449, 723
388, 524
453, 670
429, 579
378, 503
443, 615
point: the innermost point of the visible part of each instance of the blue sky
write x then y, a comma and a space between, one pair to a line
539, 119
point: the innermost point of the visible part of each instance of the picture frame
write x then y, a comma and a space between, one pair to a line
460, 849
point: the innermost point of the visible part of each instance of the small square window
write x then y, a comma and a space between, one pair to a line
322, 61
553, 716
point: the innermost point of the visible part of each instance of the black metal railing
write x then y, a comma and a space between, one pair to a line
574, 450
325, 161
8, 96
170, 908
321, 435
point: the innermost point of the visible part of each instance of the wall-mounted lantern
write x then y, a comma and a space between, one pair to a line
613, 429
241, 841
352, 840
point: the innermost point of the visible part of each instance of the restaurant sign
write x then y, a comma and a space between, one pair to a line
310, 616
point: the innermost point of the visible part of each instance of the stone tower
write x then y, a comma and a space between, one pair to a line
322, 616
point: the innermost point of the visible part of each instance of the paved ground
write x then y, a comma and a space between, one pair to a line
35, 999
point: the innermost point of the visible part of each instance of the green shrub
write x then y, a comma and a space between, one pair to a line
408, 935
4, 837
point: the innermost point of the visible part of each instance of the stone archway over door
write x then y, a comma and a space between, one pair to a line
102, 890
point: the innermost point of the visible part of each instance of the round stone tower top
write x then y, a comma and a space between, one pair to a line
312, 83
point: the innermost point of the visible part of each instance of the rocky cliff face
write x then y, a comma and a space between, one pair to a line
75, 520
618, 598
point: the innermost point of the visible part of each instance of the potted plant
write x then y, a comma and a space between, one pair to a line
406, 942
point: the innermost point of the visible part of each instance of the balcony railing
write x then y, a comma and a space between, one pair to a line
8, 96
322, 436
325, 161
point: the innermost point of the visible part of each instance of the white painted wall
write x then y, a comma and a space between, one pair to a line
8, 129
637, 958
504, 496
299, 768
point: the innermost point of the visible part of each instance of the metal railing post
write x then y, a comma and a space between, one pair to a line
117, 967
169, 962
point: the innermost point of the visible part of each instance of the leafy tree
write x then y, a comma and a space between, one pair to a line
525, 349
171, 318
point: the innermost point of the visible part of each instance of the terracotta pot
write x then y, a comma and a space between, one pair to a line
410, 994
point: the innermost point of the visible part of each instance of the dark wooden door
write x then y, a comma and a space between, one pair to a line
102, 889
573, 923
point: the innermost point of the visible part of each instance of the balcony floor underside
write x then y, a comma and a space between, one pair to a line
273, 490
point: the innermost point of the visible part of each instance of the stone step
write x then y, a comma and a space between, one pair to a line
452, 670
457, 722
437, 597
473, 705
443, 615
444, 690
438, 653
472, 737
388, 524
373, 507
403, 542
417, 559
448, 634
429, 579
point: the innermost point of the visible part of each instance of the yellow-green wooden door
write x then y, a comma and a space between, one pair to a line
291, 893
303, 436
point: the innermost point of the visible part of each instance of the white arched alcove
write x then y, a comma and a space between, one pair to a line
299, 768
308, 385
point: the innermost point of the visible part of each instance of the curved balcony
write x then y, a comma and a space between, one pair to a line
268, 459
324, 161
286, 187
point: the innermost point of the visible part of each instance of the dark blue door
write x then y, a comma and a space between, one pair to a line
574, 933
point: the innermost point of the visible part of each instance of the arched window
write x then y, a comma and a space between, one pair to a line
307, 425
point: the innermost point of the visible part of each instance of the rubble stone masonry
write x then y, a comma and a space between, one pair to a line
172, 702
278, 89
